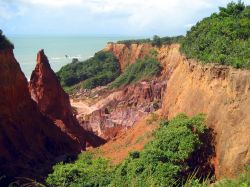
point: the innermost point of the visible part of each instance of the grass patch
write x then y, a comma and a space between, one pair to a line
143, 69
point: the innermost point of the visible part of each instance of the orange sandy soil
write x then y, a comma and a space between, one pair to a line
133, 139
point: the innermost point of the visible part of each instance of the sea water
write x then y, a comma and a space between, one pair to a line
60, 49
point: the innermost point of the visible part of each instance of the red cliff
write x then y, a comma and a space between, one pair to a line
29, 141
53, 102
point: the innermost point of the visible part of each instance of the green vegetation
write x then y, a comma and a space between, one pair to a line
96, 71
167, 160
143, 69
139, 41
222, 38
156, 41
164, 161
86, 171
4, 42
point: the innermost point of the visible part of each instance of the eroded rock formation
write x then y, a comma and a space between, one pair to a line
121, 109
29, 141
53, 102
47, 92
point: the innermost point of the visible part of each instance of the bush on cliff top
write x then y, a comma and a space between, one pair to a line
96, 71
165, 161
4, 42
156, 41
222, 38
143, 69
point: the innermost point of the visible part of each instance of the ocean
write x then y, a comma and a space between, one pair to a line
59, 50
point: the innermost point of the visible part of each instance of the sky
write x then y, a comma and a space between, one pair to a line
104, 17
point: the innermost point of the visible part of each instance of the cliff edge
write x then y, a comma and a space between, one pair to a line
220, 92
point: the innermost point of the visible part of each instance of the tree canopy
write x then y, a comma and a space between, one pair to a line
96, 71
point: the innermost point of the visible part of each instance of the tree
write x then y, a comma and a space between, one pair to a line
156, 41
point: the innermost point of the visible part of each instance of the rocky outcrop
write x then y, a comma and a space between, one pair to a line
128, 54
120, 110
29, 141
220, 92
47, 92
53, 102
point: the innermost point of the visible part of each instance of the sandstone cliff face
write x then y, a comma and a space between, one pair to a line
128, 54
53, 102
222, 93
29, 141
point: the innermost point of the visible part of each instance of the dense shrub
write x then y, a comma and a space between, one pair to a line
156, 41
223, 37
143, 69
86, 171
4, 42
139, 41
96, 71
170, 40
163, 162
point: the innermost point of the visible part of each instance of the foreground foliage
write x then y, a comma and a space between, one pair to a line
223, 37
165, 161
86, 171
96, 71
143, 69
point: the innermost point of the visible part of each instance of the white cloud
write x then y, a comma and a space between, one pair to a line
144, 13
135, 16
9, 10
4, 12
54, 3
